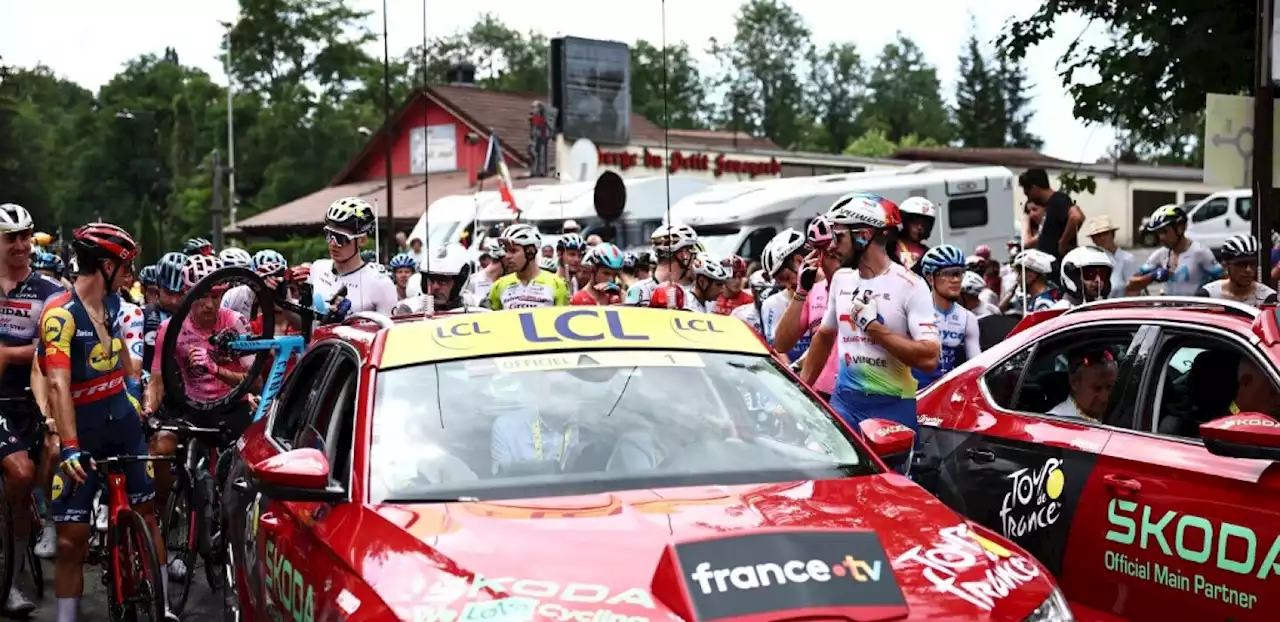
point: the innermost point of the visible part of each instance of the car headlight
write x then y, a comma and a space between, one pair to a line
1053, 609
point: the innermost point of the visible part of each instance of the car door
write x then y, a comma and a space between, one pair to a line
1016, 469
1170, 530
1211, 222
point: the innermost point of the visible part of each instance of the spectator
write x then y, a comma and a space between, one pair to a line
416, 251
402, 242
593, 239
1103, 234
1062, 217
1275, 256
1032, 217
571, 226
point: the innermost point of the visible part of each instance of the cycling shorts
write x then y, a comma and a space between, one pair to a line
120, 437
854, 407
18, 429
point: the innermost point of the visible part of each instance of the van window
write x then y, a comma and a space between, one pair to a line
1212, 209
753, 246
1244, 207
967, 213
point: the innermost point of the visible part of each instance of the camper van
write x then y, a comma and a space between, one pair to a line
976, 205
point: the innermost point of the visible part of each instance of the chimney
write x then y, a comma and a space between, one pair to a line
461, 74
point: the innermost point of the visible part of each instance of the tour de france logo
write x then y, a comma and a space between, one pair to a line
1034, 500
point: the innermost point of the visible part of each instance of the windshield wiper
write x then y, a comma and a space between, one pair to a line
440, 499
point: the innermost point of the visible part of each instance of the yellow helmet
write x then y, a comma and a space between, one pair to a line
42, 239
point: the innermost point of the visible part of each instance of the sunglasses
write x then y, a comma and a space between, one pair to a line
1241, 264
14, 236
949, 273
1096, 273
338, 237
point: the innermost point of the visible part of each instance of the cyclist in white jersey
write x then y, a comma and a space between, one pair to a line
675, 245
346, 225
944, 268
761, 289
1086, 276
1033, 268
971, 288
1240, 255
491, 270
783, 260
569, 250
526, 285
1181, 264
271, 266
709, 275
882, 314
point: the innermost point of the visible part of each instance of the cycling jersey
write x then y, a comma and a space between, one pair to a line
725, 304
543, 290
367, 289
749, 314
1261, 294
811, 318
701, 306
958, 331
641, 292
131, 325
984, 309
771, 311
909, 253
201, 386
152, 316
583, 298
68, 340
1187, 270
20, 311
239, 299
479, 285
1043, 301
570, 281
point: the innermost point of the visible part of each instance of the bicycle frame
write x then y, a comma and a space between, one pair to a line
117, 501
283, 349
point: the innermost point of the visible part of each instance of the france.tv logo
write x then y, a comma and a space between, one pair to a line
720, 580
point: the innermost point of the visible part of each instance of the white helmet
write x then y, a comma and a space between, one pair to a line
712, 267
919, 206
1242, 246
352, 214
235, 257
1034, 260
548, 263
450, 260
522, 234
14, 217
972, 284
858, 211
778, 249
197, 267
1074, 263
670, 238
491, 247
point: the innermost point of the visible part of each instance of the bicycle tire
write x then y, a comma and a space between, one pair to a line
37, 569
7, 557
131, 535
182, 493
174, 385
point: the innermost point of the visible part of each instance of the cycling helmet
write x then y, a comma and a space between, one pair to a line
859, 211
197, 246
380, 268
1074, 263
1034, 260
629, 260
368, 256
235, 257
197, 268
169, 272
983, 251
974, 263
403, 260
780, 249
712, 267
671, 238
941, 258
269, 263
548, 263
570, 242
47, 261
521, 234
148, 275
1243, 246
101, 240
492, 248
819, 232
300, 273
605, 255
918, 206
972, 284
737, 265
760, 284
1165, 216
350, 215
14, 217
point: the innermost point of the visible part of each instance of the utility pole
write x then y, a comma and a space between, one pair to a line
1263, 135
215, 210
387, 136
231, 133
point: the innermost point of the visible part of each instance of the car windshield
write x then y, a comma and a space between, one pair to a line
442, 233
590, 422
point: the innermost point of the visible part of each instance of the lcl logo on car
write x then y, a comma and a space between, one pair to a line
776, 572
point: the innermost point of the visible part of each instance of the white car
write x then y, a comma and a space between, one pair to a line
1219, 216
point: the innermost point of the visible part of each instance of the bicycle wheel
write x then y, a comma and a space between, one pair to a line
181, 537
138, 593
37, 569
174, 384
7, 557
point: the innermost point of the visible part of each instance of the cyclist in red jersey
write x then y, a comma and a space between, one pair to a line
599, 275
735, 293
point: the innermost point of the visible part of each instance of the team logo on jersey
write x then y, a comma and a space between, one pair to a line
100, 360
58, 486
53, 327
151, 470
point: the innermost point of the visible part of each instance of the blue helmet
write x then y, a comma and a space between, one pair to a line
47, 261
268, 262
403, 260
148, 275
605, 255
169, 272
941, 258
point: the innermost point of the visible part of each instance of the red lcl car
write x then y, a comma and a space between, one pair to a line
1131, 446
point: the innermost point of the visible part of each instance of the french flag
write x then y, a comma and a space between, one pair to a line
496, 166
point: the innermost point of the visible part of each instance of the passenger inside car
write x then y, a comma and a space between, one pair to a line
1255, 392
1091, 376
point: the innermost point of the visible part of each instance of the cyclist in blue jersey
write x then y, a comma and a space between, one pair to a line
169, 296
782, 260
147, 278
25, 294
944, 268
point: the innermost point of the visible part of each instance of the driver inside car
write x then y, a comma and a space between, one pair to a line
524, 435
1254, 392
1091, 375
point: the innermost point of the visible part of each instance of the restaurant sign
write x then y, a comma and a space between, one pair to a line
717, 164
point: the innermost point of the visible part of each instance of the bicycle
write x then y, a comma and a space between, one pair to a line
34, 435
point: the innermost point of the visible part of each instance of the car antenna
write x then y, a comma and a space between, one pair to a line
423, 281
666, 148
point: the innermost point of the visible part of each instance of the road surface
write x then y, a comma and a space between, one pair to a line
202, 604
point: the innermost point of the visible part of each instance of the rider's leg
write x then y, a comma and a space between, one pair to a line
163, 444
71, 510
140, 484
47, 546
19, 473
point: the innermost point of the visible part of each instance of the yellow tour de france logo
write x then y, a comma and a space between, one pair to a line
99, 360
1054, 483
57, 486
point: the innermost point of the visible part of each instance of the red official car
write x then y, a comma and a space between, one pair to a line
589, 464
1131, 446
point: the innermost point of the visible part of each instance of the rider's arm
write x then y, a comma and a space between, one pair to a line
154, 395
792, 323
386, 297
972, 338
57, 328
1146, 274
920, 348
16, 355
39, 387
561, 293
1202, 292
820, 346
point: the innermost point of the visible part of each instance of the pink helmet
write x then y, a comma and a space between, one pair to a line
197, 268
819, 232
983, 251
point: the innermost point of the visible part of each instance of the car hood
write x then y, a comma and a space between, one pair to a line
866, 548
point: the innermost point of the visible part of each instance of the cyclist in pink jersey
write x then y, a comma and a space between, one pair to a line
803, 316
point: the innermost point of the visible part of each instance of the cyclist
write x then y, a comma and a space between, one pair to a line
804, 314
1086, 276
346, 225
918, 216
1240, 254
569, 250
972, 288
403, 267
782, 260
147, 276
710, 273
735, 292
525, 285
675, 249
235, 257
268, 264
761, 289
944, 269
1033, 267
48, 265
491, 269
550, 264
81, 348
169, 286
197, 246
599, 270
369, 256
445, 274
630, 266
1181, 263
883, 316
26, 292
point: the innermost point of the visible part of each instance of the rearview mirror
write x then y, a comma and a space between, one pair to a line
1246, 435
296, 475
891, 441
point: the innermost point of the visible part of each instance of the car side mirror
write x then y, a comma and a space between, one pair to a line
891, 441
296, 475
1246, 435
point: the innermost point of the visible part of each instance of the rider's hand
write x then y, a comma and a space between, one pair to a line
200, 360
1160, 275
808, 276
607, 286
71, 460
253, 402
865, 312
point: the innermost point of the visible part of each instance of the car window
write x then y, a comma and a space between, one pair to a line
332, 414
579, 423
1211, 209
1201, 377
1075, 375
1244, 207
291, 409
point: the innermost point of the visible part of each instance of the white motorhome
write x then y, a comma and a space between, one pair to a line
976, 205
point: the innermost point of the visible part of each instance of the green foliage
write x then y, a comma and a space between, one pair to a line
1074, 184
875, 143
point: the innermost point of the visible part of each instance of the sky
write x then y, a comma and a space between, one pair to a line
88, 41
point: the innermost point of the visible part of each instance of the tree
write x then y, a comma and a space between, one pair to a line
980, 103
906, 95
505, 59
875, 144
838, 91
764, 63
1012, 78
685, 93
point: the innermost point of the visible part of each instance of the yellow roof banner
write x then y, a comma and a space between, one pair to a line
552, 329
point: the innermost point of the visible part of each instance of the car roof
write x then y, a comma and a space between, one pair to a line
557, 329
1223, 314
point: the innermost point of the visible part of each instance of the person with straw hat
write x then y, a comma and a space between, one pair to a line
1103, 234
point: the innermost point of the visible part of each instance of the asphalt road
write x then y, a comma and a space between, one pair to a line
202, 604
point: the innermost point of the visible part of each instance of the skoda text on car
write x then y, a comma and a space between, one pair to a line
1129, 445
595, 464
